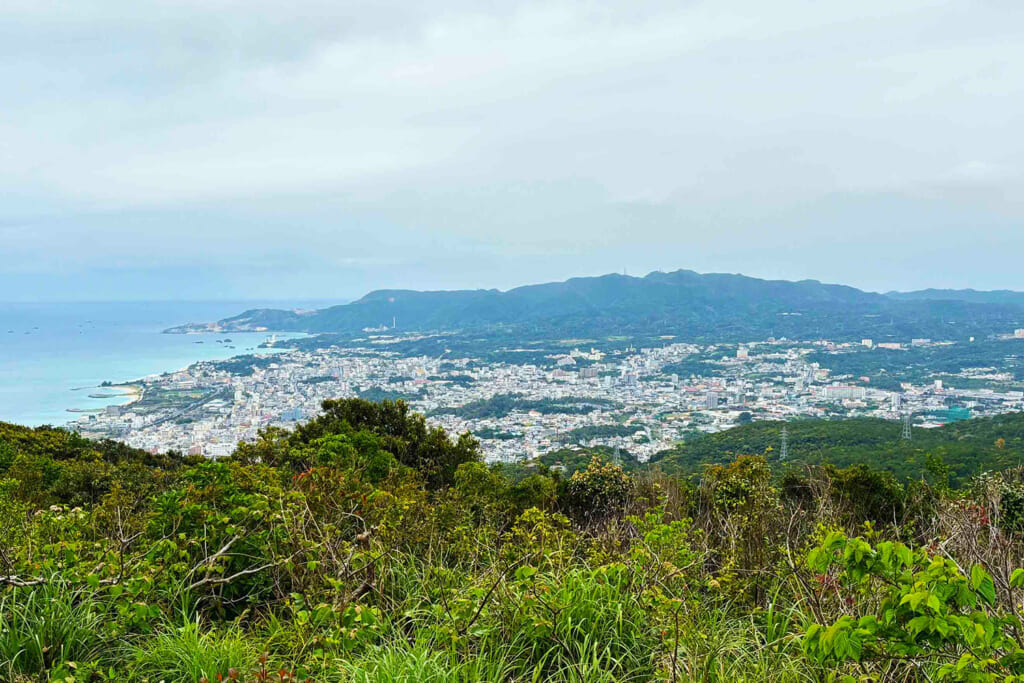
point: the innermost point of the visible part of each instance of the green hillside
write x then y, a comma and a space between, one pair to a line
368, 546
967, 448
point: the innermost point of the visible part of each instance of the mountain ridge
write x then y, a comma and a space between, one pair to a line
682, 302
994, 296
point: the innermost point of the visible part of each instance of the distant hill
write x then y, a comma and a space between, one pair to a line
683, 303
997, 296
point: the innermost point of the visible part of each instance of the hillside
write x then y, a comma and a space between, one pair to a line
683, 303
367, 546
967, 448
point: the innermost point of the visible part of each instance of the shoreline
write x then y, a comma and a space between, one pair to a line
132, 392
76, 353
134, 389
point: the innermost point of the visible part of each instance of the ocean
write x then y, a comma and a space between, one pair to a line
54, 355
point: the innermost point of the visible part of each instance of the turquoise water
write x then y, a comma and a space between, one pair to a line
52, 356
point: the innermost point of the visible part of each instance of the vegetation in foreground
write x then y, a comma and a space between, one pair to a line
366, 546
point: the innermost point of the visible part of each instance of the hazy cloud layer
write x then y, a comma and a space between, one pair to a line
162, 149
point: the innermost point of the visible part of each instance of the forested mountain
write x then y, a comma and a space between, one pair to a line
683, 303
965, 448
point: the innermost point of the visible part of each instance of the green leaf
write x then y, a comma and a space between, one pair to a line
965, 597
525, 572
855, 646
814, 559
841, 644
978, 575
987, 590
915, 599
918, 624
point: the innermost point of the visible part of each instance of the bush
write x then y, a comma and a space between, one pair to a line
917, 612
598, 493
363, 548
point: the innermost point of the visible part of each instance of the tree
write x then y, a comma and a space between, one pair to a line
405, 435
597, 493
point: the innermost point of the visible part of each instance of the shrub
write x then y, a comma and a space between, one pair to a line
598, 493
1011, 508
907, 611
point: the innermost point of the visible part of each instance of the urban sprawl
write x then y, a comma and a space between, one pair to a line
628, 399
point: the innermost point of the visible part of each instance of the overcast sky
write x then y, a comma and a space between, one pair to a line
258, 149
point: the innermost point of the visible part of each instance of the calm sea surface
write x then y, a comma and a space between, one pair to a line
52, 356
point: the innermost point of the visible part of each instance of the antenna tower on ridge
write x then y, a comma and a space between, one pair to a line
784, 450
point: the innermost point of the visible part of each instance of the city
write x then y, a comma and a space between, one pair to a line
639, 401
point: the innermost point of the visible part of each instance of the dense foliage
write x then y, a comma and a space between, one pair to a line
367, 546
501, 405
965, 449
57, 467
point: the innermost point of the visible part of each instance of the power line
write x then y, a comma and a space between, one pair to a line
907, 435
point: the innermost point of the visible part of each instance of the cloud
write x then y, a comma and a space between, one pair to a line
526, 134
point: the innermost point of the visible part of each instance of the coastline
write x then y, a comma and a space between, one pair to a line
75, 347
132, 392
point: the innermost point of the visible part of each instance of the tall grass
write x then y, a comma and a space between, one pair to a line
590, 621
45, 626
589, 627
720, 645
190, 651
402, 663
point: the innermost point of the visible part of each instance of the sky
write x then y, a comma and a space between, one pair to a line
205, 149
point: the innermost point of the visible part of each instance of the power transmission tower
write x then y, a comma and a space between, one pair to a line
617, 458
907, 435
784, 449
